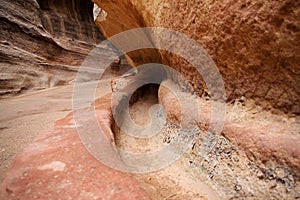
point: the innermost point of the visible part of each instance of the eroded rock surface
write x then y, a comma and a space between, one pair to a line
256, 48
263, 136
254, 44
43, 43
57, 166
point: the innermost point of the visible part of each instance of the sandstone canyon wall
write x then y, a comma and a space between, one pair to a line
42, 43
255, 44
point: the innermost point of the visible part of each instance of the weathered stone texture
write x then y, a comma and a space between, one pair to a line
254, 44
42, 43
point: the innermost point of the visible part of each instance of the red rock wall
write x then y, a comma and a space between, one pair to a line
256, 45
43, 42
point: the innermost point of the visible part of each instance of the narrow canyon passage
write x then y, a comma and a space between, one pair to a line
177, 181
225, 171
215, 114
147, 96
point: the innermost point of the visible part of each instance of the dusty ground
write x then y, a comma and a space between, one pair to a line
173, 182
226, 172
24, 117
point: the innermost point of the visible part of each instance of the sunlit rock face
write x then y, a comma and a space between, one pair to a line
43, 42
255, 45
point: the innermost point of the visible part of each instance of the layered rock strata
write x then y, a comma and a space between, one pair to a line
43, 43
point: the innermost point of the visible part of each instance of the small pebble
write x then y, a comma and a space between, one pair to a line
269, 173
273, 184
237, 187
260, 175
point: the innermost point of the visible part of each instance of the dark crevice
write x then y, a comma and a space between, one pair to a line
148, 90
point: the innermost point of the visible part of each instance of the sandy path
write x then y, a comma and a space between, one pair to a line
226, 171
25, 117
177, 180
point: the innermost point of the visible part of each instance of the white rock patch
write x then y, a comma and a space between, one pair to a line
99, 13
55, 166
